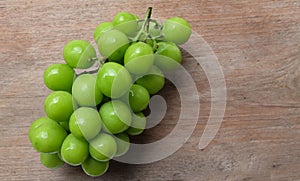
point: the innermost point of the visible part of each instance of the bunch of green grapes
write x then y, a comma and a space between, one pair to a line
90, 116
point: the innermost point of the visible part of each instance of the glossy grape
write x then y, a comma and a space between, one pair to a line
138, 98
116, 116
74, 151
77, 54
113, 80
85, 123
123, 144
154, 80
94, 168
51, 160
59, 106
139, 58
176, 30
138, 124
101, 28
46, 135
168, 56
37, 123
85, 91
126, 23
103, 147
59, 77
112, 44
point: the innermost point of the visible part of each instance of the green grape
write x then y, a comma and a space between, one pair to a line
46, 135
85, 91
51, 160
94, 168
112, 44
138, 124
123, 144
85, 123
101, 28
126, 23
116, 116
77, 54
154, 80
37, 123
59, 77
139, 58
167, 56
113, 80
138, 98
74, 151
176, 30
59, 106
103, 147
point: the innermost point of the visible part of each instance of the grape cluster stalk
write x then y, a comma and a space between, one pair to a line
91, 116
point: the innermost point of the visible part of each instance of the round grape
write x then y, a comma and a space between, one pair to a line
103, 147
113, 80
139, 58
85, 123
74, 151
46, 135
77, 54
138, 98
116, 116
126, 23
101, 28
176, 30
85, 91
112, 44
94, 168
59, 106
59, 77
167, 56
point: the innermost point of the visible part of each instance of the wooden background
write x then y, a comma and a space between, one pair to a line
258, 46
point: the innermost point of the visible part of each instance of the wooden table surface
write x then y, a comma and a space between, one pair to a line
257, 43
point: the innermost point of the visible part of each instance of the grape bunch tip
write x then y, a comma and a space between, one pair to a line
91, 115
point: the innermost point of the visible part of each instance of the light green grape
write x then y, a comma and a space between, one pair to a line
176, 30
112, 44
78, 54
101, 28
85, 91
46, 135
59, 106
59, 77
113, 80
138, 98
167, 56
126, 23
85, 123
103, 147
116, 116
139, 58
94, 168
74, 151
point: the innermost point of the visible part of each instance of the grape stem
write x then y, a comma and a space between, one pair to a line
145, 24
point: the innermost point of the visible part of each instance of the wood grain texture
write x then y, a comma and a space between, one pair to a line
258, 46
